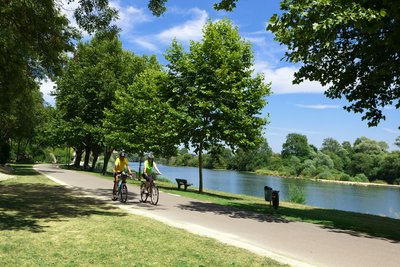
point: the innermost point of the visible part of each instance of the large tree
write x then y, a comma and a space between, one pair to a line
87, 87
296, 145
215, 91
352, 47
139, 121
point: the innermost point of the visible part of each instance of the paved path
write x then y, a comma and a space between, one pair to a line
294, 243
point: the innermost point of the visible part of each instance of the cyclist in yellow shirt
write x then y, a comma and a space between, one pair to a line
119, 167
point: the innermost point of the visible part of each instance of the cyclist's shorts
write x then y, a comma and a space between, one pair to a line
148, 177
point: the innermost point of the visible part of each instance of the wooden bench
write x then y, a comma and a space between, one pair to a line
183, 182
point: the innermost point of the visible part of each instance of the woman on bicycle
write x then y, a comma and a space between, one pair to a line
148, 172
119, 167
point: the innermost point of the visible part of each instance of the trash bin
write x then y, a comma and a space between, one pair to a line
268, 193
275, 199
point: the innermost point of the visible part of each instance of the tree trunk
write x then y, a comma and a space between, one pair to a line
87, 157
201, 167
78, 157
95, 157
18, 150
107, 155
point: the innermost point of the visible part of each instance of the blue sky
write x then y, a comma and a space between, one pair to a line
299, 109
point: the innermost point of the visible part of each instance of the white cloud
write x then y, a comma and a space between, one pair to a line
391, 130
129, 16
190, 30
318, 106
282, 78
46, 87
147, 44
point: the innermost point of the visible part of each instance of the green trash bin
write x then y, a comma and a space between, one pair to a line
268, 194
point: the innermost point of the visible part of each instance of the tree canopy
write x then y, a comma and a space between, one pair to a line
214, 90
350, 46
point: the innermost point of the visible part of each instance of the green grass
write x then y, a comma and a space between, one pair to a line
350, 222
43, 224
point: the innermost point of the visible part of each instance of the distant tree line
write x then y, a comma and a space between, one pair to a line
365, 160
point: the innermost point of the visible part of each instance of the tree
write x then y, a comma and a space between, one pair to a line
252, 160
87, 88
296, 145
213, 89
397, 142
139, 120
330, 145
390, 168
367, 157
350, 46
158, 6
34, 38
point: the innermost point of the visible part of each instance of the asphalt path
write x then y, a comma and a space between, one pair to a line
293, 243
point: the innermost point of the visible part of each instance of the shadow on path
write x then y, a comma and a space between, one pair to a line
232, 212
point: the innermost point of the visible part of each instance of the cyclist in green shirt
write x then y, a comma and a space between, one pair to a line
148, 172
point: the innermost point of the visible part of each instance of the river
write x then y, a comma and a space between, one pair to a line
377, 200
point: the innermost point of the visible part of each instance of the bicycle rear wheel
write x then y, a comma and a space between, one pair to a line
143, 195
124, 193
154, 195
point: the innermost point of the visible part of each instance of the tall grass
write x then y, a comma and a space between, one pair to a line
296, 194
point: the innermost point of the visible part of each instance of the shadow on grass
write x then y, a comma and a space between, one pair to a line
192, 191
25, 206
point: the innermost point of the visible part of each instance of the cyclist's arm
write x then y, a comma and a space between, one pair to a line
155, 167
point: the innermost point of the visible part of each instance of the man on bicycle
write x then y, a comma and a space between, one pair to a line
148, 172
119, 167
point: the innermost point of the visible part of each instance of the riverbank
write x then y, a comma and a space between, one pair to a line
276, 174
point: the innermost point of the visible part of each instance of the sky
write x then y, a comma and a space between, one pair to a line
302, 109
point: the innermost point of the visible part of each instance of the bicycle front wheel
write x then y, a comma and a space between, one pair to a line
124, 193
115, 194
143, 195
154, 195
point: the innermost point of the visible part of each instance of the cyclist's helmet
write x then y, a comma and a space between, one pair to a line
122, 154
150, 156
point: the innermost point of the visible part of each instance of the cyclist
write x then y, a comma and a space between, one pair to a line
119, 167
148, 172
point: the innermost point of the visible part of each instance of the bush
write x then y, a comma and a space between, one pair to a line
361, 177
345, 177
325, 175
296, 194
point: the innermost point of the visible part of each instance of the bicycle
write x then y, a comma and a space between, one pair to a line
152, 192
122, 191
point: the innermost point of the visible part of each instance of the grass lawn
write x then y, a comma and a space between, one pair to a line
44, 224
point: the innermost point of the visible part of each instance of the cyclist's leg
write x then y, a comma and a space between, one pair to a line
149, 179
116, 181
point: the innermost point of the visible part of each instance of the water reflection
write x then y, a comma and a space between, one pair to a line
376, 200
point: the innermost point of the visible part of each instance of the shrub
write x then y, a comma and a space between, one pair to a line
345, 177
325, 175
361, 177
296, 194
